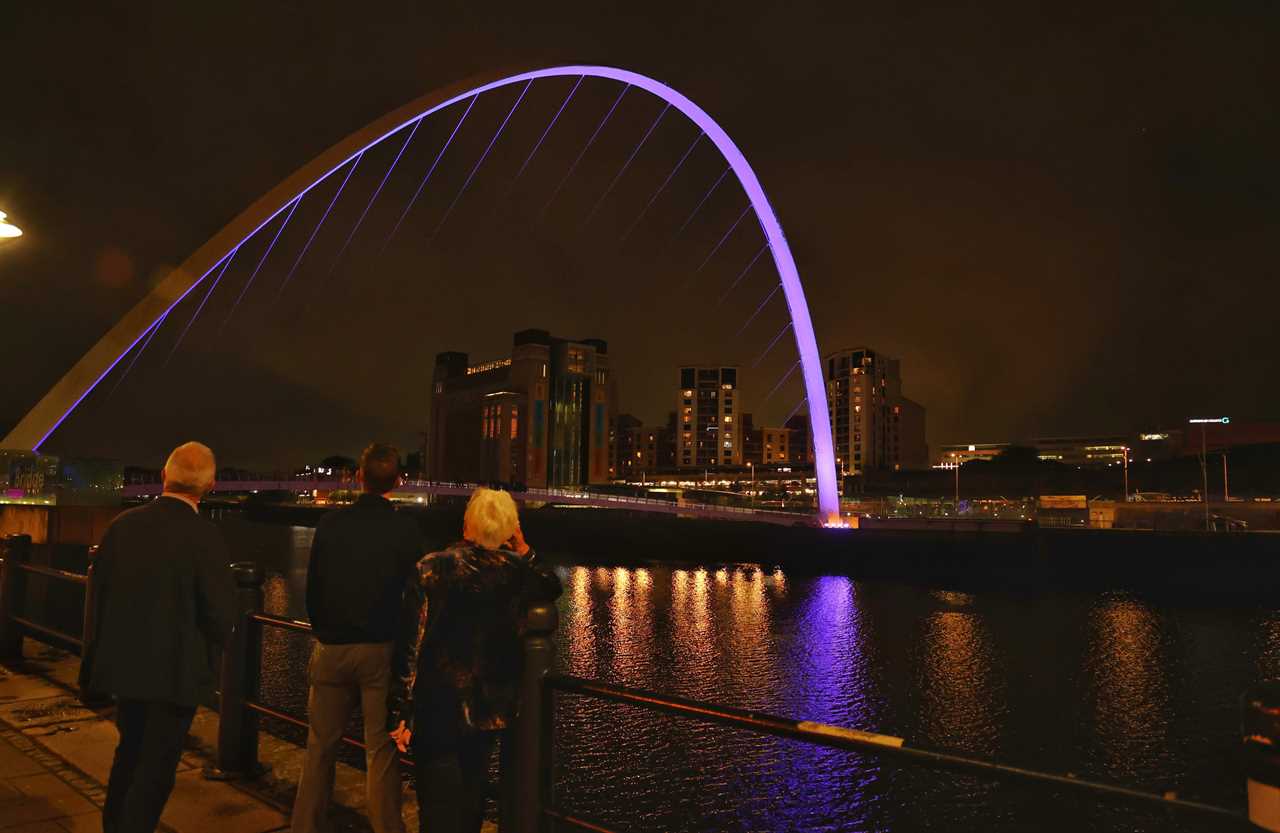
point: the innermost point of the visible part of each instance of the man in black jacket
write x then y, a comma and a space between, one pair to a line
361, 559
164, 594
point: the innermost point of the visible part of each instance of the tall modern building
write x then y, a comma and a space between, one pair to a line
707, 414
873, 425
540, 417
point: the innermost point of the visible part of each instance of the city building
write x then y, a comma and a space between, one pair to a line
644, 452
873, 425
30, 478
621, 438
765, 446
1078, 452
1084, 451
801, 445
538, 418
951, 455
708, 411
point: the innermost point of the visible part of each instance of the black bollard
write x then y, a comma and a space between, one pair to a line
527, 771
1260, 727
241, 670
13, 582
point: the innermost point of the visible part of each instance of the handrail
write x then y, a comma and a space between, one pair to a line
53, 572
839, 737
47, 631
281, 622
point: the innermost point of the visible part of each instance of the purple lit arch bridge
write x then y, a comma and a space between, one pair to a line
213, 258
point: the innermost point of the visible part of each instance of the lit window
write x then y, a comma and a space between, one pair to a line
728, 419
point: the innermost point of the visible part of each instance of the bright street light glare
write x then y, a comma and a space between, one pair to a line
8, 229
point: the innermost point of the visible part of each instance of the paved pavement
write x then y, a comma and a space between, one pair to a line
55, 756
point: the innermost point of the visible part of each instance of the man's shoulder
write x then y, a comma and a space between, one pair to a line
162, 512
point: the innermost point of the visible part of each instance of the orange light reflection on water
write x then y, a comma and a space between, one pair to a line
957, 685
582, 636
1130, 695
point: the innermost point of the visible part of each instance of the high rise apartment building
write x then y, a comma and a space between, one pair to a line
539, 418
873, 425
707, 418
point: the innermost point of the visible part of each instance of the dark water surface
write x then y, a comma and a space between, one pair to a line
1109, 686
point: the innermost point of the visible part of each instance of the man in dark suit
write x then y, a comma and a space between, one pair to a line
165, 597
361, 559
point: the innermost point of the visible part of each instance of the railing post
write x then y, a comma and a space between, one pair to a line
527, 770
88, 630
241, 670
1260, 729
13, 581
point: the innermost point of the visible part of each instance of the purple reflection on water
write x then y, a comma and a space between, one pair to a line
826, 680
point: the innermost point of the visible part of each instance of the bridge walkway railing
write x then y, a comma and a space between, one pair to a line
528, 799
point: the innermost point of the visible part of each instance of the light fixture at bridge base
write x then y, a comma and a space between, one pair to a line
834, 521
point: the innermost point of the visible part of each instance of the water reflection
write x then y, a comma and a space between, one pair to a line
959, 694
631, 627
579, 648
693, 643
1269, 654
1130, 700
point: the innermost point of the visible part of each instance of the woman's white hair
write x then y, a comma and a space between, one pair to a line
491, 518
190, 470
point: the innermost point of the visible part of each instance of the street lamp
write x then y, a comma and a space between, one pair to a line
1126, 474
955, 458
1204, 461
8, 230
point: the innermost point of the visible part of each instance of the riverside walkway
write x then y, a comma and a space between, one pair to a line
55, 757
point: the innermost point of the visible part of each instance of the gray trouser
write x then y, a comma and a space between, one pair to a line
341, 676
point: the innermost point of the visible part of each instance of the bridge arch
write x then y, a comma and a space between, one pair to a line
32, 431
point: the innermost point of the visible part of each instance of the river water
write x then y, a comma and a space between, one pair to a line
1109, 686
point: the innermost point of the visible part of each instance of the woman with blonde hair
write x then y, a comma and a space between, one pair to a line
456, 670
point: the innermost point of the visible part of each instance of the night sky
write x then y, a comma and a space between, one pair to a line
1062, 219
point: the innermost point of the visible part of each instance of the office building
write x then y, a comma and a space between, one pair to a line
707, 418
538, 418
873, 425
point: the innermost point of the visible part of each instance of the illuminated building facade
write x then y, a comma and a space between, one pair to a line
539, 418
708, 412
872, 424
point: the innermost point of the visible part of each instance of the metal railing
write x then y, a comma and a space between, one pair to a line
527, 790
14, 621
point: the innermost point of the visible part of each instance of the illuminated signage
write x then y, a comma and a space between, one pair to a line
1214, 420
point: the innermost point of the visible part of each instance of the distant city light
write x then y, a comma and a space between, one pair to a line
8, 229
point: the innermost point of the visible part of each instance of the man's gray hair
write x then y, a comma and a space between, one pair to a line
190, 470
